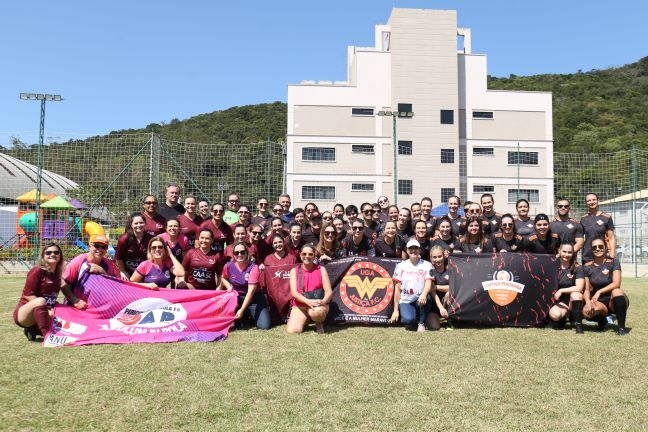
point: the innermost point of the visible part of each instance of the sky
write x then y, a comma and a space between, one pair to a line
124, 64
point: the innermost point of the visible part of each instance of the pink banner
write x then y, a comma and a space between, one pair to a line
122, 312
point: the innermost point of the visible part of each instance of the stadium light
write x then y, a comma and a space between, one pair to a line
39, 177
394, 115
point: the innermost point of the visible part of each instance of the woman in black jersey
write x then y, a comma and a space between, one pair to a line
569, 295
439, 273
507, 240
603, 292
597, 225
542, 241
357, 243
475, 241
420, 235
523, 222
390, 244
446, 237
458, 222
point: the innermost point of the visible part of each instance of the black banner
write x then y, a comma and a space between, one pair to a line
363, 290
504, 289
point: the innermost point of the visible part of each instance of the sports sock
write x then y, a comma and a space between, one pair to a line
42, 318
577, 311
619, 303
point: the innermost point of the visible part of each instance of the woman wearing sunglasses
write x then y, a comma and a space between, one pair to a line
155, 222
569, 295
42, 286
203, 265
603, 294
160, 268
242, 275
507, 240
311, 290
177, 242
328, 248
390, 243
357, 243
597, 225
131, 246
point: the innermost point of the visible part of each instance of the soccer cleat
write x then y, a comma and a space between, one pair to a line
319, 328
30, 334
621, 331
579, 329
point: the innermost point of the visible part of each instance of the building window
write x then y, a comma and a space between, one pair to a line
483, 189
405, 187
404, 108
446, 193
447, 156
483, 151
531, 195
362, 111
318, 193
483, 114
362, 187
404, 147
447, 117
523, 158
362, 148
320, 154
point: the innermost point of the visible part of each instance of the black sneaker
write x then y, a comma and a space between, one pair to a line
579, 329
621, 331
30, 334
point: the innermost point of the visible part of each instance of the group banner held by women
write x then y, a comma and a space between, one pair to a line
122, 312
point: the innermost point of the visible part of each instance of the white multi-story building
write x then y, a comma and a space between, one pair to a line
462, 138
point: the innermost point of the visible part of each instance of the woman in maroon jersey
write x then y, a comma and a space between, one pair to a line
203, 265
39, 295
154, 221
176, 241
131, 246
279, 256
190, 221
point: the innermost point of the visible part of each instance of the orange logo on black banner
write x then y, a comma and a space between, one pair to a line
502, 289
366, 288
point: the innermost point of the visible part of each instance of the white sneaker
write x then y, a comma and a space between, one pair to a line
421, 328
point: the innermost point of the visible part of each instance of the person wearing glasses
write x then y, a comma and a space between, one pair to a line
569, 293
131, 246
328, 248
178, 244
383, 202
371, 226
458, 222
38, 297
523, 223
570, 230
357, 244
284, 202
412, 289
597, 225
475, 241
203, 265
489, 213
203, 209
279, 256
542, 241
231, 216
259, 248
240, 236
310, 208
446, 238
171, 207
311, 290
475, 211
327, 219
242, 276
278, 211
159, 270
390, 243
377, 215
507, 240
154, 222
244, 218
190, 221
95, 262
222, 232
603, 293
263, 215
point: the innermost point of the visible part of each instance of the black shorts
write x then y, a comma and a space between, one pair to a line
564, 299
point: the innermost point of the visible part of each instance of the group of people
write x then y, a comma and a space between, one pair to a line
192, 245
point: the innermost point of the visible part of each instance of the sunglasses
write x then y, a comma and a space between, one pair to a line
256, 232
357, 228
100, 246
307, 254
218, 211
367, 211
233, 201
329, 233
382, 202
275, 210
327, 218
473, 211
239, 252
598, 247
507, 224
54, 252
563, 206
243, 212
150, 202
157, 247
263, 204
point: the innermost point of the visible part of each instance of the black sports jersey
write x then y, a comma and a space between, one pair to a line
394, 250
449, 245
548, 246
352, 249
524, 228
601, 276
515, 244
568, 230
430, 224
310, 237
440, 278
426, 246
458, 226
595, 227
495, 221
567, 277
482, 247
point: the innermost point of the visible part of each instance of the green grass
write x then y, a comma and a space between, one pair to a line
354, 378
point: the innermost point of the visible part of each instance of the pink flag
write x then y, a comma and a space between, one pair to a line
122, 312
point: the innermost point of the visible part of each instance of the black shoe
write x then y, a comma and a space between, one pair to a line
579, 329
621, 331
558, 325
30, 334
601, 324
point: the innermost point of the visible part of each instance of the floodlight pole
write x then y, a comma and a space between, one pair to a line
393, 115
39, 176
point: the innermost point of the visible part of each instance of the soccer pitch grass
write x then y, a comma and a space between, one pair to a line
353, 378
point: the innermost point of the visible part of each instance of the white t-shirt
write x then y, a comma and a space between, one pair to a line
412, 278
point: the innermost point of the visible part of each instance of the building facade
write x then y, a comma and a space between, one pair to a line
459, 139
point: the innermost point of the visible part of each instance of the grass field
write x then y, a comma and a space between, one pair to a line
349, 379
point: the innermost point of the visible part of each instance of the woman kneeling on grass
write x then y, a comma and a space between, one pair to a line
159, 270
39, 295
311, 290
603, 292
569, 295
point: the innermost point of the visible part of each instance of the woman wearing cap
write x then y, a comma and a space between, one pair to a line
190, 221
507, 240
177, 242
445, 238
390, 244
569, 295
131, 246
603, 293
543, 241
328, 248
311, 290
42, 286
279, 256
242, 276
160, 268
475, 241
412, 288
523, 223
597, 225
154, 221
203, 265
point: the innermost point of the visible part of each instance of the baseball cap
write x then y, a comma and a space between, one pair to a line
99, 238
413, 243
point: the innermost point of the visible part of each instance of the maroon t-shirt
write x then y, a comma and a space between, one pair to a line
202, 270
40, 283
222, 234
132, 253
188, 227
154, 225
272, 260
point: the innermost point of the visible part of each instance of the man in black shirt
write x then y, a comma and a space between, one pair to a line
570, 230
171, 208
